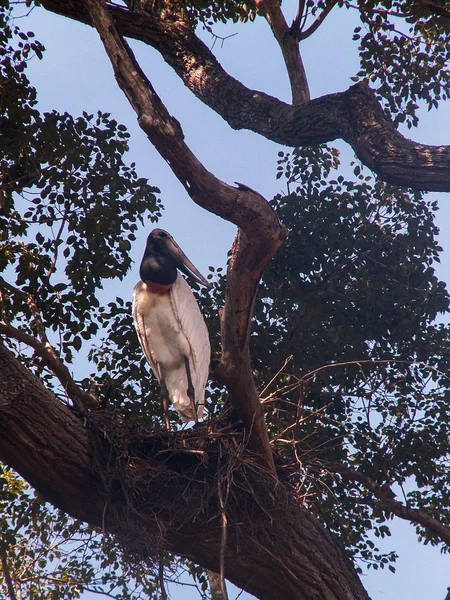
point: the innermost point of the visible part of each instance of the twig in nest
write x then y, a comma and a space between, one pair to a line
201, 453
223, 541
226, 479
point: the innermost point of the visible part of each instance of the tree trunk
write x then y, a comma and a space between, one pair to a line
137, 484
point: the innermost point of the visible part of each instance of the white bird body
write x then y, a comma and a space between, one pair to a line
170, 326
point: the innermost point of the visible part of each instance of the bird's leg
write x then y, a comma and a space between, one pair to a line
165, 398
190, 389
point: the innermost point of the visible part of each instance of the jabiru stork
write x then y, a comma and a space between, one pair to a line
170, 326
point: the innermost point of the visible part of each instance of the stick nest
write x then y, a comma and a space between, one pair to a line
162, 486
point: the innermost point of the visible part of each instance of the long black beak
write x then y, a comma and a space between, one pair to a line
183, 263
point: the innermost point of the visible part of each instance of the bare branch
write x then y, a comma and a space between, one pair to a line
289, 47
297, 24
318, 22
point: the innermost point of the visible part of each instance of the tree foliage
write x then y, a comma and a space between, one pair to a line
348, 354
391, 49
357, 361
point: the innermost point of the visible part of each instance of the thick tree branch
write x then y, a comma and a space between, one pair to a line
260, 233
281, 552
45, 442
354, 115
288, 43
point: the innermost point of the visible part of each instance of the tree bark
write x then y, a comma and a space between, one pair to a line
216, 589
30, 416
278, 551
289, 47
354, 115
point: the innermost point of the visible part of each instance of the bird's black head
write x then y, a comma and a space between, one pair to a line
162, 258
157, 265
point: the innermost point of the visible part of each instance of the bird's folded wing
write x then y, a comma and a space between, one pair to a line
193, 326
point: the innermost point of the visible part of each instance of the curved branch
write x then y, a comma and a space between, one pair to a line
354, 116
44, 349
46, 352
304, 34
395, 507
281, 552
259, 237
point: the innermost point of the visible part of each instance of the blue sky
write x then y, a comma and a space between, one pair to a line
75, 75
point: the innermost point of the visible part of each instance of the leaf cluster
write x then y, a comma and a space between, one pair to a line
49, 555
404, 51
70, 210
351, 361
210, 12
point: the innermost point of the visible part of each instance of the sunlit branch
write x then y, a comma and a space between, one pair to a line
271, 10
354, 115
